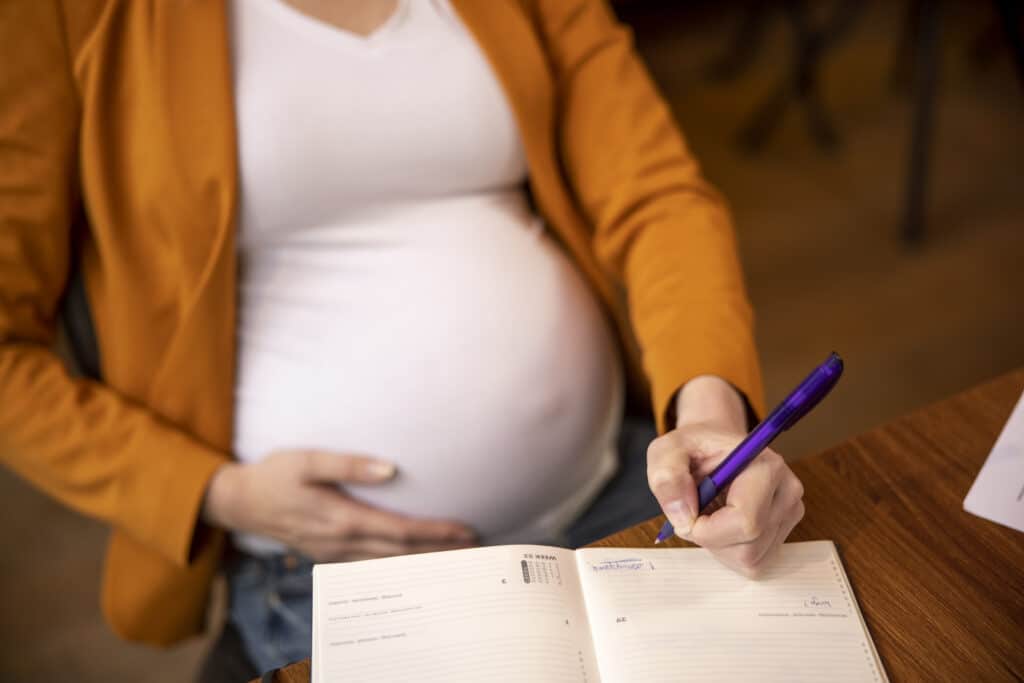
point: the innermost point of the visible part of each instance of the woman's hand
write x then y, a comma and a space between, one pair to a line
292, 496
763, 503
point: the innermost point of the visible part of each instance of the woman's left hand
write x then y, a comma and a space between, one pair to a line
761, 506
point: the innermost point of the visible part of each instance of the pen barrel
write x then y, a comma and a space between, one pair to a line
799, 402
706, 493
748, 449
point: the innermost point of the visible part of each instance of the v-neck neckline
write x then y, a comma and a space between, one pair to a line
337, 34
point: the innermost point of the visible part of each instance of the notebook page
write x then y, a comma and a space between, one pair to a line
678, 614
500, 613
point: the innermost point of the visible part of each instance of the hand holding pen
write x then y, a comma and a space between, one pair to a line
763, 502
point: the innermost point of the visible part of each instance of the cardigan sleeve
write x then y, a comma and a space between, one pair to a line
659, 229
77, 440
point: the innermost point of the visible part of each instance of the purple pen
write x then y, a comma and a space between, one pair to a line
800, 402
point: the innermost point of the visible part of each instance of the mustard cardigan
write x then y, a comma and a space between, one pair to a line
117, 132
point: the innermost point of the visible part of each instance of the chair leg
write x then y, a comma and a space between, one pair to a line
1010, 15
755, 132
744, 46
900, 71
925, 77
799, 84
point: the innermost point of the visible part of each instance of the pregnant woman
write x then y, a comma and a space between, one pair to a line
367, 277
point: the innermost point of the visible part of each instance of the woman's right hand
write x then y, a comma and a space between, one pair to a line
292, 496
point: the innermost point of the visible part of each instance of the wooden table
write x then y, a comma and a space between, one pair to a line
942, 591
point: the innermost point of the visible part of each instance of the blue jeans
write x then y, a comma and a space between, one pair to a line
271, 598
271, 606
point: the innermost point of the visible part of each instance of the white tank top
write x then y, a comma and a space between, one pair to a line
397, 296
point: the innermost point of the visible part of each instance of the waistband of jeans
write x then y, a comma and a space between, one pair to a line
276, 563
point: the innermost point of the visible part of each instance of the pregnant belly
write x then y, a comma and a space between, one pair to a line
459, 344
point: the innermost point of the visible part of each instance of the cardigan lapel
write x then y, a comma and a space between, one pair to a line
513, 47
194, 382
504, 33
193, 57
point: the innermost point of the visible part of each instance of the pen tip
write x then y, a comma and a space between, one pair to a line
657, 540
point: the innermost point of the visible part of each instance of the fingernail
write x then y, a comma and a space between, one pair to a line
465, 535
381, 470
680, 515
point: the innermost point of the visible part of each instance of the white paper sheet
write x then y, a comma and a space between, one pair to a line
462, 615
662, 617
998, 492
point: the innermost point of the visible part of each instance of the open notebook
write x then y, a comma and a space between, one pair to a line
534, 613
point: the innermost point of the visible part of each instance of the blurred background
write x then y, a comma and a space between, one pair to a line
908, 263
